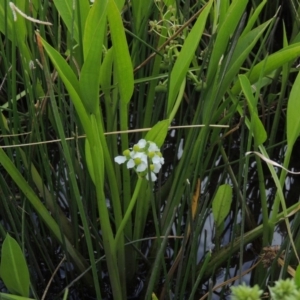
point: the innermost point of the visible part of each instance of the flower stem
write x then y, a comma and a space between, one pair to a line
128, 211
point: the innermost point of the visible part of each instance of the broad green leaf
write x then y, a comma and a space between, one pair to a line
241, 52
120, 4
92, 48
169, 2
13, 297
222, 10
19, 26
13, 269
274, 61
221, 203
105, 84
16, 29
225, 30
293, 109
158, 133
69, 79
186, 55
6, 20
259, 132
122, 60
253, 18
69, 16
106, 72
297, 277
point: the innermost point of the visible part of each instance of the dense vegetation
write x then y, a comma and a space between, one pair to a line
202, 97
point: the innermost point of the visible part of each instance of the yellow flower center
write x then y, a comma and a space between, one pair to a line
151, 154
137, 161
126, 153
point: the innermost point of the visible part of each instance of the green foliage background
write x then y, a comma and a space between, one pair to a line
121, 66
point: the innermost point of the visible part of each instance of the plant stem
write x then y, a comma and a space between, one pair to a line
129, 210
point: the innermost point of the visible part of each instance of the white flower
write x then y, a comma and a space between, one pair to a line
142, 143
158, 160
153, 147
130, 164
140, 156
153, 176
141, 162
156, 168
120, 159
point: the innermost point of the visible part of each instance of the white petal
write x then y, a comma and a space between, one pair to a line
141, 167
120, 159
142, 156
158, 160
153, 147
130, 164
156, 168
153, 177
142, 143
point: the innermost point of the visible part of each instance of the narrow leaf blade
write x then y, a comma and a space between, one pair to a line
92, 45
122, 60
259, 132
293, 108
186, 55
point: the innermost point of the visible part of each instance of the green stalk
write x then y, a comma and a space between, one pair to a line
200, 275
115, 198
129, 210
107, 234
263, 199
125, 172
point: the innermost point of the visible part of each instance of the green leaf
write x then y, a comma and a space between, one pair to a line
120, 4
186, 55
293, 109
297, 277
225, 30
65, 9
259, 132
106, 72
122, 60
243, 48
253, 18
13, 297
89, 161
13, 269
92, 48
221, 203
274, 61
69, 79
158, 133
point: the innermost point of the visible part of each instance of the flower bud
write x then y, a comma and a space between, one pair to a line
136, 148
126, 153
137, 161
151, 154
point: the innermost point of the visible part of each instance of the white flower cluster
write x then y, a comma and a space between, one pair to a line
142, 156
